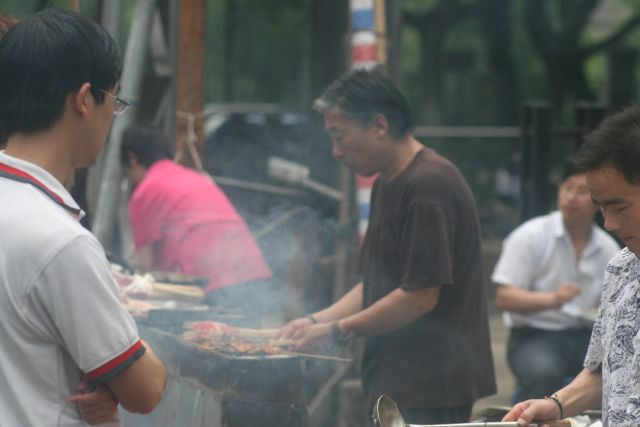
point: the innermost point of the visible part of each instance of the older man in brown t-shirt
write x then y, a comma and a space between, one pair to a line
421, 305
424, 232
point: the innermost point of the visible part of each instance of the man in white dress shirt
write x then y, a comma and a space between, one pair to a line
549, 278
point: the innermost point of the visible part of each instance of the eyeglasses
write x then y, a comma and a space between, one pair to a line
119, 105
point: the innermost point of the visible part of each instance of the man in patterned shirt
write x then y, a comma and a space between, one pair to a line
611, 376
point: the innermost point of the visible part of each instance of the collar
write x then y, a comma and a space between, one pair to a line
560, 231
23, 171
558, 224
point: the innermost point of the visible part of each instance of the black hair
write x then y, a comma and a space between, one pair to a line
363, 94
570, 169
148, 143
43, 59
615, 143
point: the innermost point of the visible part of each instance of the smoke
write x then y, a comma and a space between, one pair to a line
293, 239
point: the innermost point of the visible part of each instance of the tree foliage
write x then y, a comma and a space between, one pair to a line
434, 21
557, 31
510, 50
460, 61
268, 51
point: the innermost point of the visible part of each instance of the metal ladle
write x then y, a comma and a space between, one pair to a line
387, 414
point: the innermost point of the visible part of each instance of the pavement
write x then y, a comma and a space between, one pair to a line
504, 377
499, 334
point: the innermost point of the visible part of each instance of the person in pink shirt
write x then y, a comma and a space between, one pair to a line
182, 222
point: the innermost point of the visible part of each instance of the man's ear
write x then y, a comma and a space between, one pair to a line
82, 99
381, 125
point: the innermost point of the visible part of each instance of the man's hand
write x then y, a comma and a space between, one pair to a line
96, 406
566, 292
294, 330
536, 409
312, 336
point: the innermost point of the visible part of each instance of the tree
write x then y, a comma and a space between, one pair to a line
329, 43
434, 24
496, 20
561, 49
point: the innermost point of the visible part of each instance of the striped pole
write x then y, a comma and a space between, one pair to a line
364, 54
363, 36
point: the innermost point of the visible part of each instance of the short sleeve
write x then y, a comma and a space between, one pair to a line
516, 264
595, 352
427, 238
79, 296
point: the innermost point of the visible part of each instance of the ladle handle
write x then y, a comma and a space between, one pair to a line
559, 423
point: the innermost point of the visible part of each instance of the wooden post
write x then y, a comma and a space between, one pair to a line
369, 22
343, 274
190, 80
381, 32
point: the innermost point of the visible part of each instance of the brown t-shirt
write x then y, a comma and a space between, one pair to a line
424, 231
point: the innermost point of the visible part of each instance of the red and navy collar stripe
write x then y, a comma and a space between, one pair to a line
9, 172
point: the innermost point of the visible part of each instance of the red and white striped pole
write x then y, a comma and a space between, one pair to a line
366, 18
363, 34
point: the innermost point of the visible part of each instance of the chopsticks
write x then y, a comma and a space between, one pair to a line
567, 422
322, 357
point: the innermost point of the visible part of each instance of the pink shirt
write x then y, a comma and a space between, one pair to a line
193, 228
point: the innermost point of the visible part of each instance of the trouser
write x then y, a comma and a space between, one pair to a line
448, 415
541, 359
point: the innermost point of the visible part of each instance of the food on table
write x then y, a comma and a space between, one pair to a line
146, 286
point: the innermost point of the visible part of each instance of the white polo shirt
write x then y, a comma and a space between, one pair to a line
539, 256
61, 318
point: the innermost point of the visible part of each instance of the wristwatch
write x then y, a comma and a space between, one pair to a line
338, 335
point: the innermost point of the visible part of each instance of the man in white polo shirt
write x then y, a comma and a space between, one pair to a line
70, 351
549, 278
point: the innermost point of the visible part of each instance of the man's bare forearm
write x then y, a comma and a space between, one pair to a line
350, 303
584, 392
140, 386
520, 300
395, 310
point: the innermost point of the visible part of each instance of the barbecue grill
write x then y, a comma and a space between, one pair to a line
207, 388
